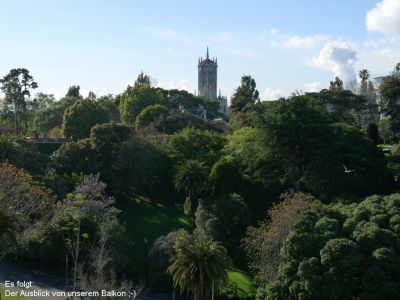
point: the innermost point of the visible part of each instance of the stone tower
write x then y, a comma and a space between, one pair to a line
207, 82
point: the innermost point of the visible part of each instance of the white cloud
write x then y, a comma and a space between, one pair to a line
313, 86
273, 94
273, 31
384, 17
181, 85
338, 57
305, 42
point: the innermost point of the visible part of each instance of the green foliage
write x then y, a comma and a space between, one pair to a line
197, 264
22, 154
191, 176
348, 147
247, 147
9, 225
176, 120
180, 98
245, 96
343, 106
139, 165
336, 84
16, 86
225, 176
342, 252
142, 79
373, 133
74, 157
390, 93
79, 221
224, 219
195, 144
48, 148
150, 114
299, 147
81, 117
109, 103
135, 99
52, 116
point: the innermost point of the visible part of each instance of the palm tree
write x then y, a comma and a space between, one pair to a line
192, 177
364, 75
199, 266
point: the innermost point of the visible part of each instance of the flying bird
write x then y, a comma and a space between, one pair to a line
347, 170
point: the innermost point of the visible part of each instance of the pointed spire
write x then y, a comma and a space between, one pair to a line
207, 53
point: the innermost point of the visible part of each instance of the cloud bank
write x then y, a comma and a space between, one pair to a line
385, 17
339, 57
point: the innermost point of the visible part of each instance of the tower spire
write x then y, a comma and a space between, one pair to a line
207, 53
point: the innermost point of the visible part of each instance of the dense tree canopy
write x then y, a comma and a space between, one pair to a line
81, 117
342, 252
135, 99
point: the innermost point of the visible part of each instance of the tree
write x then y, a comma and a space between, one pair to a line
150, 114
225, 176
263, 243
135, 99
194, 144
245, 96
9, 223
16, 86
390, 93
198, 266
74, 157
373, 133
73, 92
341, 252
25, 195
223, 218
41, 101
176, 120
139, 166
344, 106
142, 79
81, 117
82, 217
336, 84
52, 116
364, 76
191, 176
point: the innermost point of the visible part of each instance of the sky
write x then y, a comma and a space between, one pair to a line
286, 45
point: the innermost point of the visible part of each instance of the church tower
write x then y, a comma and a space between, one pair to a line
207, 81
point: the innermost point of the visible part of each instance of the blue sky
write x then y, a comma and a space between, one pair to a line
285, 45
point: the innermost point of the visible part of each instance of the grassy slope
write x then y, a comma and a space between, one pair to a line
149, 219
243, 281
3, 297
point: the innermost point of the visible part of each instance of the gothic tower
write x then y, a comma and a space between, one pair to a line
207, 82
207, 79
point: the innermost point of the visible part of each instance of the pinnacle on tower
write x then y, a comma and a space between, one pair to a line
207, 53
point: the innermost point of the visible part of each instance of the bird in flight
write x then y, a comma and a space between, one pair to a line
346, 170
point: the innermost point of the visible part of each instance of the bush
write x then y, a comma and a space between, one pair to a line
342, 252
